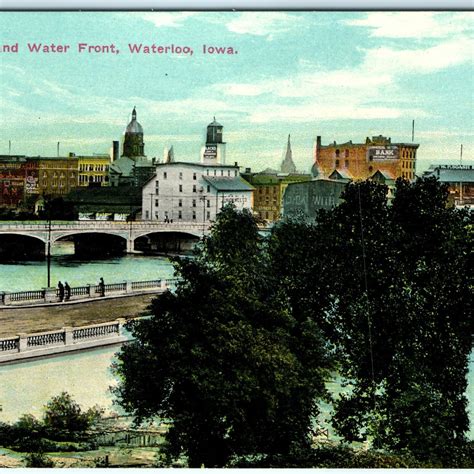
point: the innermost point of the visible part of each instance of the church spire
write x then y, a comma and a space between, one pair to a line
288, 166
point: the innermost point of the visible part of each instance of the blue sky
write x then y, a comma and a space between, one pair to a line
341, 75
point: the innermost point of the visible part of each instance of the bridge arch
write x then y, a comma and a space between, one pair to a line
95, 243
22, 246
165, 241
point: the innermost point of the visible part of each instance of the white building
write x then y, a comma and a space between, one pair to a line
193, 192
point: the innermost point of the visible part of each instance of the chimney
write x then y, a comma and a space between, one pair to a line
248, 170
115, 150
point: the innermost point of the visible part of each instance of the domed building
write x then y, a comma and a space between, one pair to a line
132, 168
133, 146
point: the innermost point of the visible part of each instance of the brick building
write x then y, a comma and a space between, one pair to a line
363, 160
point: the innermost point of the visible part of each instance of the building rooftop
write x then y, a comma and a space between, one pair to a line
229, 184
452, 173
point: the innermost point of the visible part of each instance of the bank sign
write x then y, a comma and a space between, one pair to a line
380, 153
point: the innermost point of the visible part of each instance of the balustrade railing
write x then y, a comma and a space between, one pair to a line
68, 338
8, 345
46, 339
52, 295
94, 332
140, 285
26, 295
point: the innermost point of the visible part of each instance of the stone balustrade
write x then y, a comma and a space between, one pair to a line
84, 292
25, 346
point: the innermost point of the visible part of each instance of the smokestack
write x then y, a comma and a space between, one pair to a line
413, 130
9, 147
460, 158
115, 150
58, 150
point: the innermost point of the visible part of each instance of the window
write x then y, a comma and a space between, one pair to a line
346, 153
370, 169
180, 214
147, 214
180, 188
180, 175
235, 173
208, 215
194, 202
222, 172
207, 172
156, 202
228, 173
208, 203
346, 163
194, 188
337, 153
194, 176
337, 163
165, 175
215, 172
208, 188
194, 215
180, 203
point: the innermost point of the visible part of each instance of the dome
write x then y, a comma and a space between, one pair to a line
214, 123
134, 126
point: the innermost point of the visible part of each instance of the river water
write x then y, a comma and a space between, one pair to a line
32, 275
26, 387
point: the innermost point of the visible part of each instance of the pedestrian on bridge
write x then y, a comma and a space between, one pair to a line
60, 291
101, 287
67, 291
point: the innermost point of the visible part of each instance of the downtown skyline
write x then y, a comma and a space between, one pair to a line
341, 75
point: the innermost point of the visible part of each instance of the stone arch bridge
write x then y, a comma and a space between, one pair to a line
51, 232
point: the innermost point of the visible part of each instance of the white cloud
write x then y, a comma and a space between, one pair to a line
167, 19
262, 23
414, 24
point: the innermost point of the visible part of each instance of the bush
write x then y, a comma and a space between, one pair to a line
38, 460
64, 419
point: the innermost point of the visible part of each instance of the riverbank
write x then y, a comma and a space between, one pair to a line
53, 317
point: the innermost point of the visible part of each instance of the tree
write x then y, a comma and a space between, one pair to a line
403, 313
64, 418
223, 359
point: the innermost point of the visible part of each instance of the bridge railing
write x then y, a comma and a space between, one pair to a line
84, 292
65, 337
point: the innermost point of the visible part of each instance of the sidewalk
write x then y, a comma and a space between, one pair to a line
54, 316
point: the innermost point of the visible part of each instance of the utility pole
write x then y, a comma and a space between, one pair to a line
203, 198
48, 251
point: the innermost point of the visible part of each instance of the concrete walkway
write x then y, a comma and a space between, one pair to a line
52, 317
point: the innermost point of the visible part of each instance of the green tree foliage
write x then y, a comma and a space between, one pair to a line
399, 282
224, 359
64, 419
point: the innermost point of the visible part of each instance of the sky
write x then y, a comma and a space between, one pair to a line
341, 75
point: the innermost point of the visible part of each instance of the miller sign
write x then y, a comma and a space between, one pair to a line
387, 152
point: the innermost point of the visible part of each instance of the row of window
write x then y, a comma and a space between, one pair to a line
166, 217
180, 203
84, 167
180, 188
268, 189
83, 179
55, 184
408, 164
208, 173
55, 175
